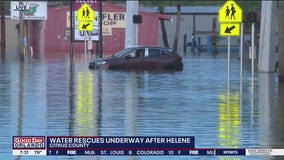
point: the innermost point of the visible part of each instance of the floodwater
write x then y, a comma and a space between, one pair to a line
48, 96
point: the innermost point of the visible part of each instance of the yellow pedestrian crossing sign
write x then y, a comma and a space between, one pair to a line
230, 12
229, 29
86, 25
85, 13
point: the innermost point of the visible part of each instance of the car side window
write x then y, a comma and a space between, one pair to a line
131, 54
139, 53
154, 52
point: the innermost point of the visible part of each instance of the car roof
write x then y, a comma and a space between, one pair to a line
148, 46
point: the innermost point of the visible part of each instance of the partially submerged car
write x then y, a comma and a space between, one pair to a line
141, 58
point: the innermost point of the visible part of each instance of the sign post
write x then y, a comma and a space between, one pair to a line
252, 56
85, 16
241, 59
230, 16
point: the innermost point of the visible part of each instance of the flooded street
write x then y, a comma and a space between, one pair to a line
49, 96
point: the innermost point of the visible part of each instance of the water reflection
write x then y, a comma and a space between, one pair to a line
279, 141
5, 103
229, 120
54, 97
57, 96
85, 104
131, 103
20, 101
278, 122
271, 113
267, 105
71, 98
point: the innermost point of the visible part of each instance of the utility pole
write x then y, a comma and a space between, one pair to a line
71, 32
21, 30
267, 55
3, 29
131, 30
281, 42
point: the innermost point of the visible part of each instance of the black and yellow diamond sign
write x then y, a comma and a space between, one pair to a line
86, 25
232, 29
230, 12
85, 13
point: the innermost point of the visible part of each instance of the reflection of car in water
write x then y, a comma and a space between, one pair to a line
141, 58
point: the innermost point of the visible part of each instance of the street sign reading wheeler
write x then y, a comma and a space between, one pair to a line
230, 12
85, 13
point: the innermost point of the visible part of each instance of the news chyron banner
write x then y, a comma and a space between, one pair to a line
29, 145
125, 146
102, 145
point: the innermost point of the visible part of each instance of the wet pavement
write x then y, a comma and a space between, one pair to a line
48, 96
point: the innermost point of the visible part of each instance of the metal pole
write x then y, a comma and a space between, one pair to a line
252, 55
228, 74
229, 54
252, 70
90, 45
85, 47
28, 28
241, 60
71, 31
21, 29
131, 28
25, 38
101, 29
3, 28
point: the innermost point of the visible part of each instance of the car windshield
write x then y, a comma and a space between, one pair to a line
122, 52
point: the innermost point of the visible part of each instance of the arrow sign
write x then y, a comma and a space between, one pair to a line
228, 30
84, 26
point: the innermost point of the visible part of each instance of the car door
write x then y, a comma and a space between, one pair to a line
134, 59
152, 59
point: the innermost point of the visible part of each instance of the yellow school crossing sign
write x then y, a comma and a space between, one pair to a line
230, 16
86, 17
85, 13
230, 12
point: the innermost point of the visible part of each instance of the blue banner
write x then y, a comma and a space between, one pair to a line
111, 142
148, 152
